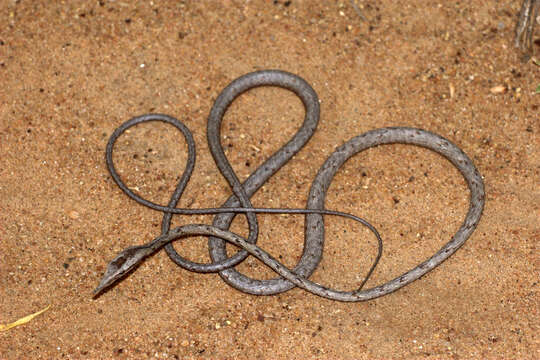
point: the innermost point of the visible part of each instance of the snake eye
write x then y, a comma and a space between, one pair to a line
116, 263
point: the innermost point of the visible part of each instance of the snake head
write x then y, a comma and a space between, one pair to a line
121, 265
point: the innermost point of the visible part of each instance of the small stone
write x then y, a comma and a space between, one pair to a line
499, 89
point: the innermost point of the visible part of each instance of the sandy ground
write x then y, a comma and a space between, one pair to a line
72, 71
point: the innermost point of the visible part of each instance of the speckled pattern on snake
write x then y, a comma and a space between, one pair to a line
239, 202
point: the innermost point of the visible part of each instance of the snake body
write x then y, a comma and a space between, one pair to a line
239, 202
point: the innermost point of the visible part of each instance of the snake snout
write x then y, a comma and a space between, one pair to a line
121, 265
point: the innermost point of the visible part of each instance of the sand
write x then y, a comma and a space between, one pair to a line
72, 71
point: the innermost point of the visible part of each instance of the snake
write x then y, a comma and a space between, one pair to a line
239, 202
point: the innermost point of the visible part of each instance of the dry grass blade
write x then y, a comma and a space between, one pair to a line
22, 320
